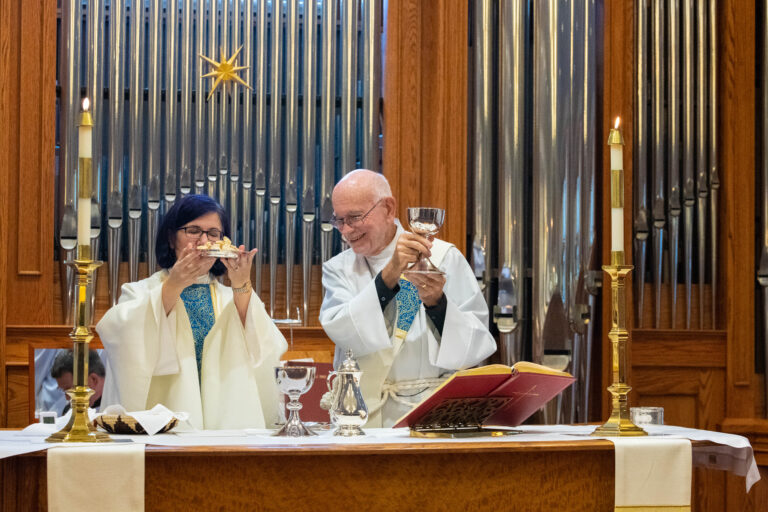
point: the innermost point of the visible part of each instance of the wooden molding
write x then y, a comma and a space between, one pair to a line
5, 58
756, 430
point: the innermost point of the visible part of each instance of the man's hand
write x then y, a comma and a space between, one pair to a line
409, 247
430, 287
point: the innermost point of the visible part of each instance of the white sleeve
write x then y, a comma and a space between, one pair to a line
466, 340
353, 320
134, 335
263, 340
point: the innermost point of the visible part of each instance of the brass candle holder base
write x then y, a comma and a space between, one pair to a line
619, 424
79, 429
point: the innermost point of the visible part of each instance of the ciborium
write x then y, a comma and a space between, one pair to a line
425, 221
294, 381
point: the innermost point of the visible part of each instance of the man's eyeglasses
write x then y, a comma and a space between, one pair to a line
197, 232
352, 220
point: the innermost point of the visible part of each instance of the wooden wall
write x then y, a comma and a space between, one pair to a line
27, 104
425, 109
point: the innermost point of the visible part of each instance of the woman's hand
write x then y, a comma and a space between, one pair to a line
239, 273
188, 267
239, 269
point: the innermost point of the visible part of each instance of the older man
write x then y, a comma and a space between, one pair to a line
407, 335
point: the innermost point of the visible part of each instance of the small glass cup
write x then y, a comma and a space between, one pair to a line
47, 417
646, 415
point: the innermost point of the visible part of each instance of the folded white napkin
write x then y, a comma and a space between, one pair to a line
152, 420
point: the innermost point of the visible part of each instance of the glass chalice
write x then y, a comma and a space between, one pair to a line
425, 221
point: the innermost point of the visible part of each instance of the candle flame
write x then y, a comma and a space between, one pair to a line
616, 126
86, 104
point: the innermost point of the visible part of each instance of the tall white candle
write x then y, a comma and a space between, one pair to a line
616, 144
85, 152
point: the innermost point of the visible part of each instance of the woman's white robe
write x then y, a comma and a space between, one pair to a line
151, 358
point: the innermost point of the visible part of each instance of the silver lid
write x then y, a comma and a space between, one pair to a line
349, 364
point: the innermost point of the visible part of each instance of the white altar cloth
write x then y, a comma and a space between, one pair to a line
729, 452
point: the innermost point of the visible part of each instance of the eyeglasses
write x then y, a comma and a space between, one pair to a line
352, 220
197, 232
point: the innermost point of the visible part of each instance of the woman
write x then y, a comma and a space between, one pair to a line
182, 339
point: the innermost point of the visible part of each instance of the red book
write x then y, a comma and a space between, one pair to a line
310, 401
495, 395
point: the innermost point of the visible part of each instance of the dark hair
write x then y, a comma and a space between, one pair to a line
65, 362
185, 210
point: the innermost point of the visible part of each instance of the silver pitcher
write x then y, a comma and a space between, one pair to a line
348, 411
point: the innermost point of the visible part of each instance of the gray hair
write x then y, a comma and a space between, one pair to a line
379, 184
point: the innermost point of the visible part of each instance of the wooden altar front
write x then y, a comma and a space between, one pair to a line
574, 476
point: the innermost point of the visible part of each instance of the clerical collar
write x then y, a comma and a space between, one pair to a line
379, 261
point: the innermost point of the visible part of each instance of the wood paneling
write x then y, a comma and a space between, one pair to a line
671, 348
737, 160
425, 109
30, 159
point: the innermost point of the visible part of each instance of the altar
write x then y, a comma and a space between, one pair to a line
543, 468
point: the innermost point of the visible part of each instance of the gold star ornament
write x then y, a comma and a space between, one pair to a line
224, 70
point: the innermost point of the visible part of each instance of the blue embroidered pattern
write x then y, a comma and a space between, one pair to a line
408, 303
199, 305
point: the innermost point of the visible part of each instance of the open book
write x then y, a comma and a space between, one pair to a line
494, 395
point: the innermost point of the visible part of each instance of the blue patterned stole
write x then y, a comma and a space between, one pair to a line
199, 305
408, 303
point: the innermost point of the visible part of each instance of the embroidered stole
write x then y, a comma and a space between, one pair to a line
408, 303
198, 302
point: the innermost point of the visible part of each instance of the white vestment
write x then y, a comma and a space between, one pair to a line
352, 317
151, 358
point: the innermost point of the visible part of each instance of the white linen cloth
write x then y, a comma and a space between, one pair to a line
352, 317
114, 472
151, 358
653, 472
152, 420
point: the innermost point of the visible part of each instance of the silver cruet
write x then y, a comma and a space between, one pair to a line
348, 411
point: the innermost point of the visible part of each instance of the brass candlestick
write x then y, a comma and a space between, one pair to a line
619, 423
80, 429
